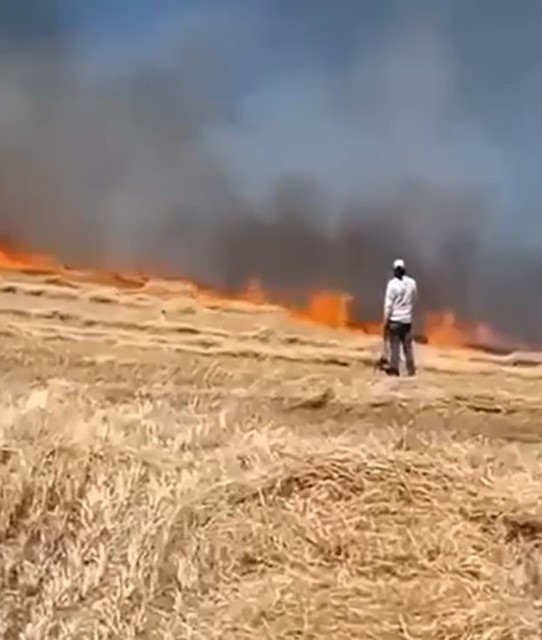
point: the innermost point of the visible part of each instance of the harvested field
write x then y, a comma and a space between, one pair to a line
174, 469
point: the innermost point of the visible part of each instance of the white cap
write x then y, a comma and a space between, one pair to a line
399, 264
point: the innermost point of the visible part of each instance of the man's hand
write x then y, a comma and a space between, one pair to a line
385, 326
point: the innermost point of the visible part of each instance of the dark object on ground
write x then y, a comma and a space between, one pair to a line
383, 364
523, 526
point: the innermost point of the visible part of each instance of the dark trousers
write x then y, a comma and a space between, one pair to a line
400, 335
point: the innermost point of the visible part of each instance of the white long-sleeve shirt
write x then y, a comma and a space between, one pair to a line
400, 298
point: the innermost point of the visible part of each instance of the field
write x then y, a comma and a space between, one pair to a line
172, 467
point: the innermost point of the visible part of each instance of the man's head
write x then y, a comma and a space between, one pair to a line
399, 268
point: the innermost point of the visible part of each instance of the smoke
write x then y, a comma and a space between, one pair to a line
197, 152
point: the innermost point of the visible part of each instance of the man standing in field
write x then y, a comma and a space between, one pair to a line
400, 299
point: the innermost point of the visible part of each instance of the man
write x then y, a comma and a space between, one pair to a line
400, 299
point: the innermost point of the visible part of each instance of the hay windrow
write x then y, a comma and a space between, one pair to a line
267, 487
356, 539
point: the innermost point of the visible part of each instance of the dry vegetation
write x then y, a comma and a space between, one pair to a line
174, 471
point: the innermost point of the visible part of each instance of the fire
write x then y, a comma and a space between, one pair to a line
16, 261
444, 330
328, 308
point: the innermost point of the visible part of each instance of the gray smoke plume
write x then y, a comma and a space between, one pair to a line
315, 177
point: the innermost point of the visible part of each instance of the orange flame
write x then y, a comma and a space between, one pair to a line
16, 261
444, 330
329, 308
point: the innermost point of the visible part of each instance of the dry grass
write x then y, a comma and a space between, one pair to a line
148, 492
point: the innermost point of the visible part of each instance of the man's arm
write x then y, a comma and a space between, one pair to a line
389, 299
